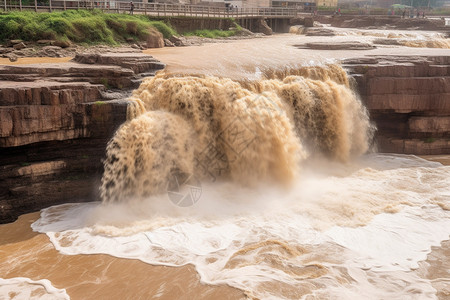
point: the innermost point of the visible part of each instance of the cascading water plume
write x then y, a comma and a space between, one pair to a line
247, 132
143, 154
328, 116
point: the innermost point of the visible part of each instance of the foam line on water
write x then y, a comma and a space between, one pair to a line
335, 233
21, 288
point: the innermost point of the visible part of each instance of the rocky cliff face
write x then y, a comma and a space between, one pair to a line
55, 121
408, 99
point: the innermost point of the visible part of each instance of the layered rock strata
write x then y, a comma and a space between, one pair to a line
409, 101
55, 121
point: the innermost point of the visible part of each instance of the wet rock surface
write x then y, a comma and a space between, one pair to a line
320, 31
409, 101
337, 46
114, 70
55, 121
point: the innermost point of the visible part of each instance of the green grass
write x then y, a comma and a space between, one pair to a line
79, 26
214, 33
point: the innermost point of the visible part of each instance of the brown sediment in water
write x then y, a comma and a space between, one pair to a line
24, 253
218, 127
437, 269
244, 58
35, 60
437, 266
28, 254
443, 202
443, 159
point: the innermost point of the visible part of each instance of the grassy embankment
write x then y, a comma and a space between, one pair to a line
215, 33
87, 27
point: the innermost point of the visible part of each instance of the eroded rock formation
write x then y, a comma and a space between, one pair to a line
408, 99
55, 121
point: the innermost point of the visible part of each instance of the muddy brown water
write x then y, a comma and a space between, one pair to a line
24, 253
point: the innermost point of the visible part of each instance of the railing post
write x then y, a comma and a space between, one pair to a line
50, 3
65, 5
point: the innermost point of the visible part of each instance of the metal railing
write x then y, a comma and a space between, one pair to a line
153, 9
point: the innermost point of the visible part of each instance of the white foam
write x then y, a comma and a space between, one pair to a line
21, 288
248, 238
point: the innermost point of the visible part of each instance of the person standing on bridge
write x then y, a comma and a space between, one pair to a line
131, 7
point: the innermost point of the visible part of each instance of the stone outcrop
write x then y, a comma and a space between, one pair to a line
55, 122
138, 63
155, 39
262, 27
115, 70
114, 76
309, 22
409, 101
320, 31
337, 46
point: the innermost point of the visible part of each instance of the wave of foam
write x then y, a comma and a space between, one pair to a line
342, 231
21, 288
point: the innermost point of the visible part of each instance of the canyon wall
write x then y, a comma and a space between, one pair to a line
409, 101
55, 121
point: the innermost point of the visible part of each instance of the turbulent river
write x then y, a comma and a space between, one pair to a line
243, 174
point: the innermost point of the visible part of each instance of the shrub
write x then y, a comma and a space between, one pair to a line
59, 25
